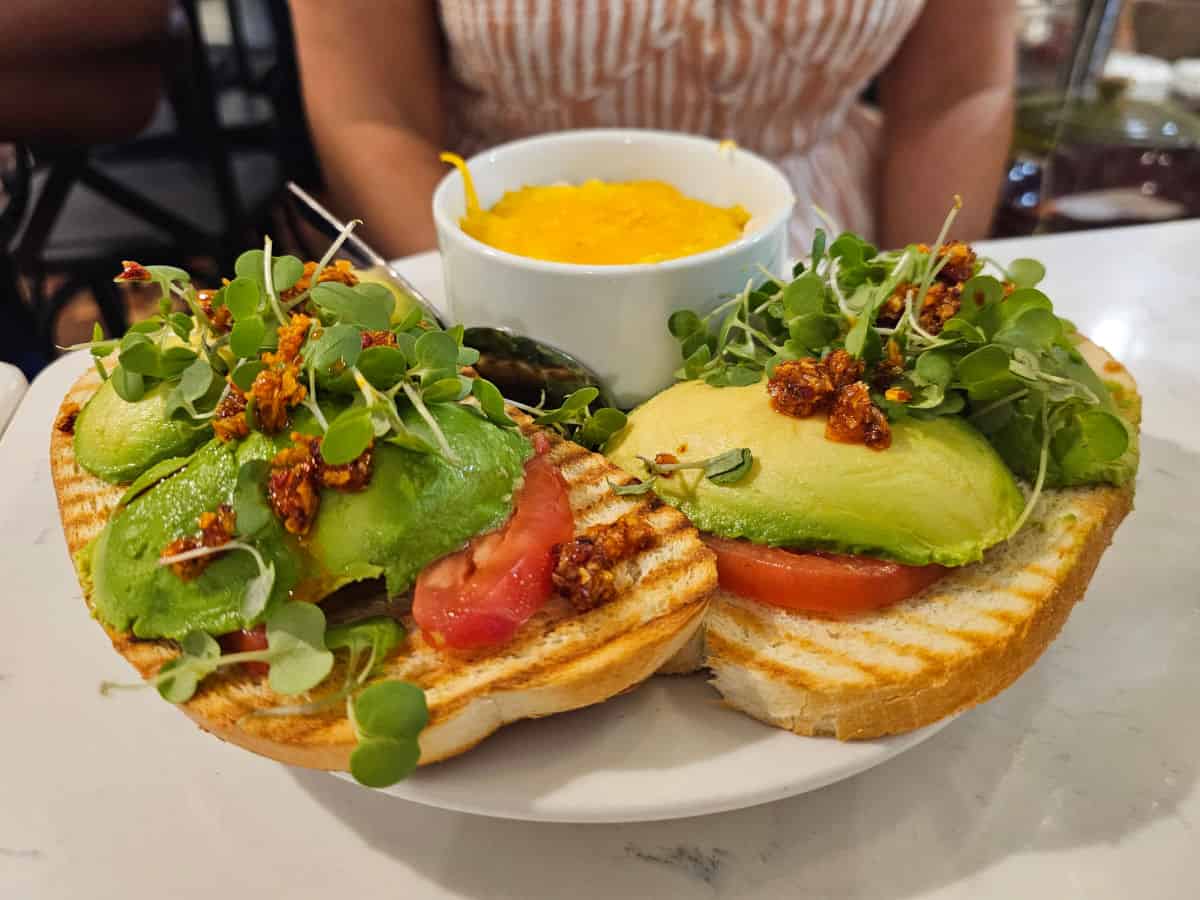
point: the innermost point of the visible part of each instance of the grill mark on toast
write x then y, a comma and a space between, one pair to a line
757, 627
529, 676
721, 650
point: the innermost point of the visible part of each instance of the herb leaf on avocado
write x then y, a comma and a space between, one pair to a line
725, 468
997, 361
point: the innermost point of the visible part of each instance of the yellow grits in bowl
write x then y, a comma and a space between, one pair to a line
598, 222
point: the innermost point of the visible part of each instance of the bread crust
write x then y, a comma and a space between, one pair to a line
956, 644
557, 662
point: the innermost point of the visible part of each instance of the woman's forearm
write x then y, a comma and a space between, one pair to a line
385, 176
948, 105
373, 87
962, 150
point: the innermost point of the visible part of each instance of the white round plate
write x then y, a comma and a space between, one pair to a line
667, 750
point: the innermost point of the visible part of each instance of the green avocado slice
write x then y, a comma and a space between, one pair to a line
117, 441
131, 592
416, 509
419, 507
939, 494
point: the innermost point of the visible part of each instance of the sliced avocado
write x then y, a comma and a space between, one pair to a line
131, 592
418, 507
939, 494
117, 441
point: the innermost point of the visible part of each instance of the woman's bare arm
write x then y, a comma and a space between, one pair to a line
947, 99
373, 81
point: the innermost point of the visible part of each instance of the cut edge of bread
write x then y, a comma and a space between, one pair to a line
557, 662
952, 646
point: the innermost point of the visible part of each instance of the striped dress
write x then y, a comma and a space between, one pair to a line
780, 77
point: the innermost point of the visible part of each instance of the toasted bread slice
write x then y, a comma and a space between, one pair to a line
959, 642
558, 661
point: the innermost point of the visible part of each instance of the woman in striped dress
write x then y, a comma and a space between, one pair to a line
388, 85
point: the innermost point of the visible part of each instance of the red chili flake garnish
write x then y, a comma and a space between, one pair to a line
133, 271
666, 459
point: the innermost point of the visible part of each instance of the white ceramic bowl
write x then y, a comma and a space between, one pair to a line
613, 318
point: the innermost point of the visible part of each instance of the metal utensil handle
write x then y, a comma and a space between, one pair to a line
366, 250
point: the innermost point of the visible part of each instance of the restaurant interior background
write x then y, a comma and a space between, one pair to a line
1107, 133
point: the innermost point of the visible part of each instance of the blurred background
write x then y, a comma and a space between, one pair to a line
166, 134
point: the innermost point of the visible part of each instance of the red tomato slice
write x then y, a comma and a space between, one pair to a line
815, 582
480, 596
240, 641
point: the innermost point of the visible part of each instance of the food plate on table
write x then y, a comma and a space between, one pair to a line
870, 500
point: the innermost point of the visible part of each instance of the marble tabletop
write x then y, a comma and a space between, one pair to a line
1079, 781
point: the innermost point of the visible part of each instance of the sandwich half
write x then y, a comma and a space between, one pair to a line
141, 493
869, 590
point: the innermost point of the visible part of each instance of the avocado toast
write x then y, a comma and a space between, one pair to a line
929, 469
291, 530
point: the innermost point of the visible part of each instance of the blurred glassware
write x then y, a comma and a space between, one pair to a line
1102, 140
1114, 159
1185, 82
1046, 32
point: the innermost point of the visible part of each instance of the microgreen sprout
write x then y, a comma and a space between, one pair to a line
1001, 357
295, 651
576, 419
725, 468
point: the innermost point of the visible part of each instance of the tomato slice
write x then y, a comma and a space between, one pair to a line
815, 582
481, 595
240, 641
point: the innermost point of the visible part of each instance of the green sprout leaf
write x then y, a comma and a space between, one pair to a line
181, 324
725, 468
381, 762
599, 427
245, 339
250, 265
684, 323
178, 679
339, 345
140, 355
391, 709
378, 636
196, 380
730, 467
436, 351
175, 360
244, 375
444, 390
491, 402
258, 592
250, 498
130, 386
286, 271
296, 641
734, 376
349, 435
243, 294
635, 488
382, 366
354, 306
1026, 273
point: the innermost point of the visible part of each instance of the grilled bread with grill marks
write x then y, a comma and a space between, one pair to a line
957, 643
558, 661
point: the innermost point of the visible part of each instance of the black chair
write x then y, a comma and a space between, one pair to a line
195, 189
